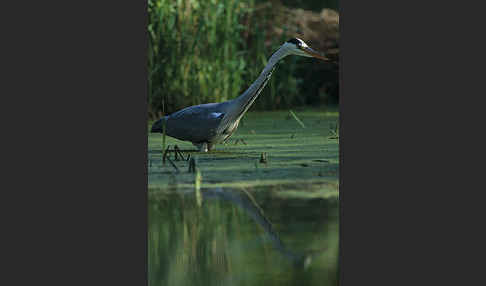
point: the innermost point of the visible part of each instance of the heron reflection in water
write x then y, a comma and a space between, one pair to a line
244, 200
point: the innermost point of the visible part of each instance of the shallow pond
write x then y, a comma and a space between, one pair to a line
251, 222
293, 154
247, 236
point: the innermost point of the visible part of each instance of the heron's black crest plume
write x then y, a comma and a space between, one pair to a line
295, 41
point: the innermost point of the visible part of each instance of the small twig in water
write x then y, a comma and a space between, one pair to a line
263, 158
178, 151
182, 155
297, 119
173, 165
164, 156
192, 166
334, 130
176, 154
163, 127
197, 187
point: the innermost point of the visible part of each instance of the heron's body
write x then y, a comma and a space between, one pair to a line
200, 124
208, 124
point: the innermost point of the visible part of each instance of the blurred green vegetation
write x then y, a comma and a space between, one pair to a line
314, 5
212, 50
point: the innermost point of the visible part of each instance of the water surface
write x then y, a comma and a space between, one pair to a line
253, 223
242, 236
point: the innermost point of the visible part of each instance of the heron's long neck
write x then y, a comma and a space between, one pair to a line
244, 101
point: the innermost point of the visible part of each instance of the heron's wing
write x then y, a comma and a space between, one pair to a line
195, 123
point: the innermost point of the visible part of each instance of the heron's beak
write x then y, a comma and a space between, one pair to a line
314, 54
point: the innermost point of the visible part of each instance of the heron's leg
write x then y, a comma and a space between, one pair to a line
203, 147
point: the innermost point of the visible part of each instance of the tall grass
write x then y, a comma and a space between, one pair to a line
192, 53
203, 51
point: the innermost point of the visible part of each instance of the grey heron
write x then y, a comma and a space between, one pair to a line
208, 124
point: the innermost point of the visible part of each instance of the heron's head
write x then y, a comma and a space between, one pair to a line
298, 47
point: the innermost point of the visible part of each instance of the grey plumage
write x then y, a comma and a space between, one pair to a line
207, 124
197, 124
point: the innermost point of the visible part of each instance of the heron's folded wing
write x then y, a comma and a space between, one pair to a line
195, 124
